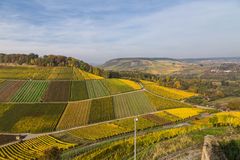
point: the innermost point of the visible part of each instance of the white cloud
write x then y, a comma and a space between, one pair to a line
193, 29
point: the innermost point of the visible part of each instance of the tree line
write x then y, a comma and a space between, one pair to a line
49, 60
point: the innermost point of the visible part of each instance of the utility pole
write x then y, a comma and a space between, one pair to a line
135, 138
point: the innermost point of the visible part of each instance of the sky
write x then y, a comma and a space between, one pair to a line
99, 30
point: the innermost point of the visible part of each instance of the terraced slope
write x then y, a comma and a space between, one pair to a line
163, 103
101, 110
167, 92
32, 118
31, 91
58, 91
32, 149
75, 114
131, 104
8, 89
78, 90
96, 89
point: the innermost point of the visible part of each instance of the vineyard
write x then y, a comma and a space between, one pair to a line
33, 118
132, 84
75, 114
32, 149
31, 91
101, 110
58, 91
44, 73
123, 148
96, 89
226, 119
184, 113
103, 131
167, 92
131, 104
78, 90
116, 86
161, 103
8, 89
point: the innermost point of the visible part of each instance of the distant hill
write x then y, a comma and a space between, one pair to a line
165, 65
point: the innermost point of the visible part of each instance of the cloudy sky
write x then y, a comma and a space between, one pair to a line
98, 30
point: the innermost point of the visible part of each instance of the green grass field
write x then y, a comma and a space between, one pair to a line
101, 110
34, 118
31, 91
132, 104
78, 91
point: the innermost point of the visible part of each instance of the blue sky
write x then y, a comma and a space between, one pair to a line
99, 30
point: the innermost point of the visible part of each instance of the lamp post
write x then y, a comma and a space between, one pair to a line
135, 138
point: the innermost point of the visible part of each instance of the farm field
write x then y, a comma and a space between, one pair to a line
44, 73
167, 92
78, 90
8, 89
156, 119
31, 91
132, 84
32, 149
116, 86
162, 103
75, 114
131, 104
96, 89
128, 124
117, 127
122, 148
82, 75
61, 73
184, 113
98, 131
33, 118
58, 91
101, 110
20, 72
226, 118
